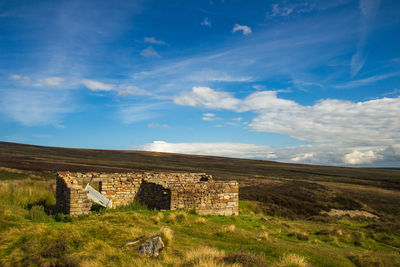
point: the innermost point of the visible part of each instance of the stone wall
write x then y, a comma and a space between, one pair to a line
160, 190
71, 197
206, 198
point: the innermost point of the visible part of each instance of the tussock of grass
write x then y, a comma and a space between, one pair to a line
264, 235
37, 214
230, 228
245, 259
157, 219
201, 220
181, 216
167, 235
205, 257
292, 260
300, 235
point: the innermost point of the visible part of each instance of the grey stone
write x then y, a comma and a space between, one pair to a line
151, 247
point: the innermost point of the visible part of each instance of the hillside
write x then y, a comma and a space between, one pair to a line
281, 221
41, 158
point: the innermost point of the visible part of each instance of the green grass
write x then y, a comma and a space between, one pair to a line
279, 222
31, 233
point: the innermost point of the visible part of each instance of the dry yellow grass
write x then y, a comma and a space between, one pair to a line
201, 220
264, 235
205, 257
292, 260
230, 229
157, 219
167, 235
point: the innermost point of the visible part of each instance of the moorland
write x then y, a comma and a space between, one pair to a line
285, 216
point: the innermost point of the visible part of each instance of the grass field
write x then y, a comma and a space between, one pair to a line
280, 221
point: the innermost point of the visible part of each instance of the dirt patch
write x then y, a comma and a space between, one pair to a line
350, 213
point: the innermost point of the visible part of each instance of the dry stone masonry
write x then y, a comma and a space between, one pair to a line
159, 190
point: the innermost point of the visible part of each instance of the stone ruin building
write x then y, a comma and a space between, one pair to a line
158, 190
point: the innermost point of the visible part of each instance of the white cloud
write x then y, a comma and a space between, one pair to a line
208, 98
299, 8
153, 40
206, 22
311, 154
51, 81
209, 117
16, 77
28, 81
330, 120
359, 157
215, 149
149, 52
96, 85
281, 11
246, 30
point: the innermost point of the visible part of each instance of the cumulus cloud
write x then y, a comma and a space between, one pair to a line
206, 22
359, 157
215, 149
153, 40
149, 52
328, 120
96, 85
330, 154
246, 30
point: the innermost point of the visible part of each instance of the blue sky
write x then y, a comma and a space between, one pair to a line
294, 81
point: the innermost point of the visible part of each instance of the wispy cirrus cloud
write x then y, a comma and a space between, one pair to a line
275, 51
367, 81
36, 107
136, 112
368, 11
